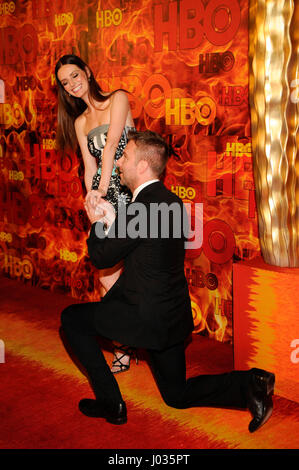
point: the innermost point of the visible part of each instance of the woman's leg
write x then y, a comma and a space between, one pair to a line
122, 354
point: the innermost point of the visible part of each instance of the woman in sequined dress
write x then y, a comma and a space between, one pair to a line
99, 123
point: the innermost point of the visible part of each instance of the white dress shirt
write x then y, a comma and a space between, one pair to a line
143, 185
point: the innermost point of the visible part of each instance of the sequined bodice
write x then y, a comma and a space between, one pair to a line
96, 141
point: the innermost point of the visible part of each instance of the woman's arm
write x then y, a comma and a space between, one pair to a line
118, 115
90, 164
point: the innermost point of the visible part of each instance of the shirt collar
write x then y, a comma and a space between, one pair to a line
142, 186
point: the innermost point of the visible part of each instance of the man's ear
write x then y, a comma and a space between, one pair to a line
142, 165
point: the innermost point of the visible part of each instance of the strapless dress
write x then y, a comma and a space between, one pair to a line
96, 140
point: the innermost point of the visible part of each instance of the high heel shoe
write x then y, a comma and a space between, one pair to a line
118, 362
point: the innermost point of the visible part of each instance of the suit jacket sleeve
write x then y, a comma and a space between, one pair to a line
107, 251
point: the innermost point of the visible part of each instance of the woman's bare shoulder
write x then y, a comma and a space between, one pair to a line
122, 94
80, 121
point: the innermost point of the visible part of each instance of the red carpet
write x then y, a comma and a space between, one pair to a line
40, 389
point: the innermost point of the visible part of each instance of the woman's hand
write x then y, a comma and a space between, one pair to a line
103, 212
95, 196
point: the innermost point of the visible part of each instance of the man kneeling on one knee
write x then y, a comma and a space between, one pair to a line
149, 305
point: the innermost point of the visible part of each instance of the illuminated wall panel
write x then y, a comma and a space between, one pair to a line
266, 307
186, 66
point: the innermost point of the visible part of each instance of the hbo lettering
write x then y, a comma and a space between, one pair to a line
63, 19
74, 283
184, 111
5, 237
217, 20
25, 83
11, 115
184, 193
49, 144
16, 44
67, 255
17, 267
7, 8
107, 18
15, 175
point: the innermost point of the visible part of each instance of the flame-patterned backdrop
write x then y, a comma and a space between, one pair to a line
185, 63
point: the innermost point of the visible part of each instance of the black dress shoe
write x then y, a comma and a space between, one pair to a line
97, 409
260, 392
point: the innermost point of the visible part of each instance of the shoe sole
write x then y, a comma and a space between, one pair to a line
122, 369
118, 421
109, 419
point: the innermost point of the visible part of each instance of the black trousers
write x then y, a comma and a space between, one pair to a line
169, 368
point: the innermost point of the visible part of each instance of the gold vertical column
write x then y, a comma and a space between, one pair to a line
274, 96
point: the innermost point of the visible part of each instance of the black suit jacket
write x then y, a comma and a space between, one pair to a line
149, 305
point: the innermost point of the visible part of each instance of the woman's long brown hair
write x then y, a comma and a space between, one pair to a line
70, 107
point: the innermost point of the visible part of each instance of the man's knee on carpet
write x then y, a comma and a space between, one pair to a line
78, 318
174, 398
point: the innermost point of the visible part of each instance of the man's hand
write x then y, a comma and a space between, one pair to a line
108, 211
102, 212
92, 214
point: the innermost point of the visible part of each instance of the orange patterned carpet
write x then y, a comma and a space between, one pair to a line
40, 389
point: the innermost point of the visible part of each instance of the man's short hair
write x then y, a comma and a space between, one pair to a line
152, 148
